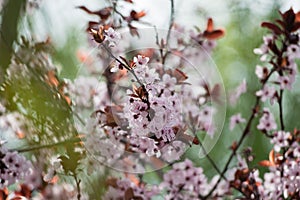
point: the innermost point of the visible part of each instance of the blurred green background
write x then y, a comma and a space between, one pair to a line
65, 25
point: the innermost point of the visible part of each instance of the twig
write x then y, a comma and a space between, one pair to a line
240, 141
34, 148
210, 159
78, 186
172, 18
79, 118
125, 18
123, 64
280, 109
157, 42
233, 153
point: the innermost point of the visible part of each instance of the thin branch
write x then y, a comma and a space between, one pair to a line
233, 153
125, 65
77, 186
38, 147
246, 131
172, 18
210, 159
280, 109
79, 118
118, 12
125, 18
122, 63
157, 42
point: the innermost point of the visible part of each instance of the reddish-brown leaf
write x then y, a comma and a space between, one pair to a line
137, 15
98, 34
133, 30
296, 26
297, 19
210, 25
104, 13
179, 75
272, 27
112, 182
52, 78
233, 146
20, 134
212, 34
289, 17
215, 93
3, 194
129, 194
124, 59
112, 119
265, 163
140, 92
85, 9
196, 141
281, 23
24, 191
272, 157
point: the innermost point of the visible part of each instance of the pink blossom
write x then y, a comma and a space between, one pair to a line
296, 149
112, 37
205, 120
173, 151
242, 164
14, 167
261, 72
285, 82
267, 121
168, 81
114, 68
241, 89
236, 119
184, 181
140, 60
122, 185
145, 145
293, 52
264, 48
280, 140
268, 92
292, 71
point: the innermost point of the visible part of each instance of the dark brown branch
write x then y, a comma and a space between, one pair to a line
77, 186
212, 162
280, 109
172, 18
122, 64
157, 42
246, 131
126, 66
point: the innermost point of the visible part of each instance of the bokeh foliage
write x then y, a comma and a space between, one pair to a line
233, 56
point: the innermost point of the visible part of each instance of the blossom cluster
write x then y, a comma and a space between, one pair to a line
120, 188
154, 115
151, 119
279, 53
146, 109
14, 167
